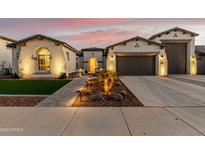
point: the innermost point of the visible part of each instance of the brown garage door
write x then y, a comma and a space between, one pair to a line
176, 55
136, 65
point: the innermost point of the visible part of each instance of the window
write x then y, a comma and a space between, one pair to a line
67, 54
44, 60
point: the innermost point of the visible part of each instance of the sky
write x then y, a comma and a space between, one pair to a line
96, 32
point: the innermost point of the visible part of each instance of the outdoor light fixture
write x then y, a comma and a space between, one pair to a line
193, 64
161, 59
162, 66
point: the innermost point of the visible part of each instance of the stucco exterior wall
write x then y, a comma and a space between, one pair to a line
92, 54
27, 64
132, 47
15, 60
177, 36
80, 62
139, 47
71, 62
5, 54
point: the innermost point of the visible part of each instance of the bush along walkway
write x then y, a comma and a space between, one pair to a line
64, 96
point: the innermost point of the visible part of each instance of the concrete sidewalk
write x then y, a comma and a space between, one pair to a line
104, 121
65, 96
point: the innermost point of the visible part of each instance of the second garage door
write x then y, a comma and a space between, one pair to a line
176, 55
135, 65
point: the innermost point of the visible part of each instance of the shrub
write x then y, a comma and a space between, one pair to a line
107, 78
15, 76
62, 76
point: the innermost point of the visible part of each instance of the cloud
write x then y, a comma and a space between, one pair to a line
24, 27
86, 32
100, 38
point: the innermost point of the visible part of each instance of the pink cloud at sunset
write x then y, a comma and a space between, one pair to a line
98, 32
98, 38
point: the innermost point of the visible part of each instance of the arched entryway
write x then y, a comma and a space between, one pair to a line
92, 65
44, 59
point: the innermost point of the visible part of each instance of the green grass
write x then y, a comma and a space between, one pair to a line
35, 87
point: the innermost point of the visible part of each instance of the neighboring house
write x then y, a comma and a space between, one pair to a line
200, 55
5, 54
93, 59
168, 52
42, 56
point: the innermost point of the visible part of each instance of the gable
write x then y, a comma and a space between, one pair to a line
174, 34
40, 38
137, 45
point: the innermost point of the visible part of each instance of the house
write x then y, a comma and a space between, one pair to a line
137, 56
42, 56
5, 54
168, 52
93, 59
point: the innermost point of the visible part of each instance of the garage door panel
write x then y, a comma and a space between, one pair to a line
136, 65
176, 55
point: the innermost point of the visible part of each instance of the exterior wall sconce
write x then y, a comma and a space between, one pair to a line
33, 57
161, 59
193, 65
162, 65
193, 56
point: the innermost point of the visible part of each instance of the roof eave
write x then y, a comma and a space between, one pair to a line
140, 38
169, 30
13, 45
8, 39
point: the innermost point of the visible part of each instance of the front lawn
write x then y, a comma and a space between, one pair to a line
36, 87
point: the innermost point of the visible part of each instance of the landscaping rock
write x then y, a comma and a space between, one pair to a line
97, 97
124, 93
116, 97
118, 84
20, 101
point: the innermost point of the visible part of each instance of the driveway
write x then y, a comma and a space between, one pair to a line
191, 79
161, 91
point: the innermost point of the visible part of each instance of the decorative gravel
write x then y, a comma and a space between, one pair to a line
128, 101
20, 101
